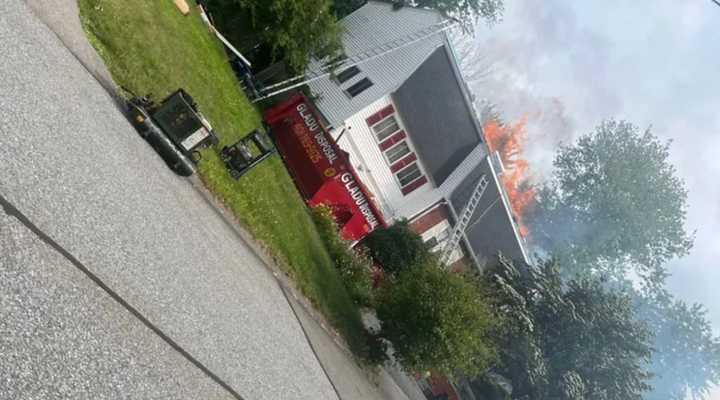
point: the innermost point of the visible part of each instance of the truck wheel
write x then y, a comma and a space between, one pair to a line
183, 169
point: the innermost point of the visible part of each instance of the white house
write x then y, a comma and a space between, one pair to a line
407, 121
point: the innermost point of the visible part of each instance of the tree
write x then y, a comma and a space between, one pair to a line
295, 29
576, 340
437, 321
615, 202
686, 360
342, 8
397, 247
467, 11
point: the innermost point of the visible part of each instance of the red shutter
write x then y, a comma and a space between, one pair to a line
414, 185
404, 162
384, 112
387, 110
387, 143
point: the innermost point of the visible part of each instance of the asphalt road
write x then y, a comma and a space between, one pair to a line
73, 165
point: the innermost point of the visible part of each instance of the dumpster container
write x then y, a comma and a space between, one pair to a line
320, 169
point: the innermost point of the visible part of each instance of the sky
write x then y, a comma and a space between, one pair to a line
567, 65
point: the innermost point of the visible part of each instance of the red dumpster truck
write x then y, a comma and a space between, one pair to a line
321, 170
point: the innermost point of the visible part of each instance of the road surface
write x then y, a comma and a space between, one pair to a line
203, 318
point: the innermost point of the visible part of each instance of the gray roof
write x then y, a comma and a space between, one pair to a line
492, 229
436, 109
373, 25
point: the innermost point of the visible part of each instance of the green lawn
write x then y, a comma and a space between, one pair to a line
150, 47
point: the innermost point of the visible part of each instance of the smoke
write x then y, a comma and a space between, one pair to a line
536, 56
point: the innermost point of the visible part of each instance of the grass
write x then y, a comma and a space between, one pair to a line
149, 47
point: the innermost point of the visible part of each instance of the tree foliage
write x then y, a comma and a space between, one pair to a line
353, 266
438, 321
342, 8
467, 11
615, 201
568, 341
686, 360
295, 29
397, 247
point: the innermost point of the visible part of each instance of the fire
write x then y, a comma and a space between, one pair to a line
508, 140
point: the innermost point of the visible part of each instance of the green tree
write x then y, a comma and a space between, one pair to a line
615, 203
294, 29
342, 8
437, 320
687, 355
576, 340
467, 11
397, 247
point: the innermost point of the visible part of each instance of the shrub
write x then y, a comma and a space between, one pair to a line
397, 248
354, 267
437, 320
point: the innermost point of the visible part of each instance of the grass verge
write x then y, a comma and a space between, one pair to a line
149, 47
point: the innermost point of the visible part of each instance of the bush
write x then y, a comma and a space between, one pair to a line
353, 266
397, 248
437, 320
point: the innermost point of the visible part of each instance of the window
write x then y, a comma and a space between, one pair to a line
359, 87
444, 235
409, 174
395, 146
438, 239
397, 152
385, 128
346, 74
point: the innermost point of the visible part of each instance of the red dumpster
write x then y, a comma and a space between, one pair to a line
320, 169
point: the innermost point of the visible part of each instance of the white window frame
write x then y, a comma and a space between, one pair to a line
387, 159
397, 122
415, 163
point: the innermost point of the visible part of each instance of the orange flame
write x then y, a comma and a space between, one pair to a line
509, 141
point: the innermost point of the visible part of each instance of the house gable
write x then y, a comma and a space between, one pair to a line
492, 229
438, 115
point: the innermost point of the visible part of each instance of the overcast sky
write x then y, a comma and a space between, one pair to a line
569, 64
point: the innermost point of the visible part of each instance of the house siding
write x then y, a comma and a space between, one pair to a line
367, 157
426, 221
373, 25
432, 224
427, 198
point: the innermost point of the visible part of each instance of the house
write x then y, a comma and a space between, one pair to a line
407, 121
